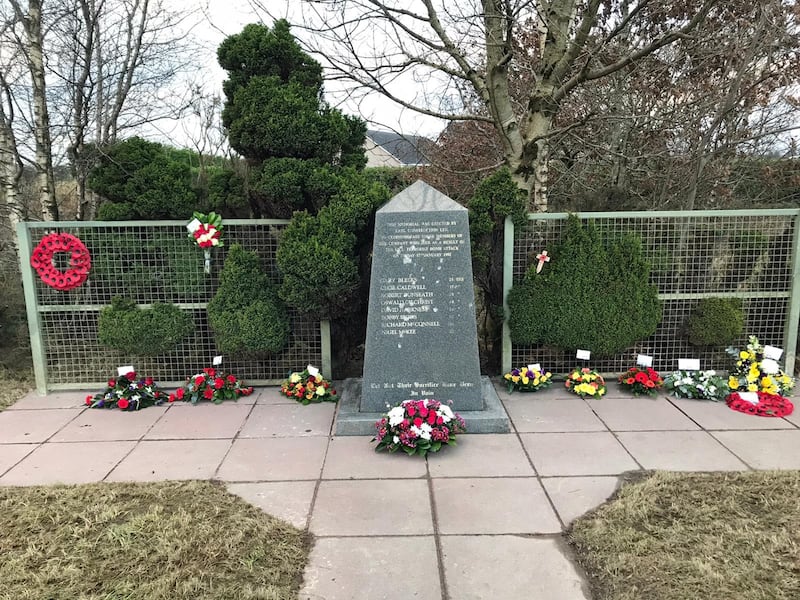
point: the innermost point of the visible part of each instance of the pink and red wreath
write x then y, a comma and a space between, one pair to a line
769, 405
79, 261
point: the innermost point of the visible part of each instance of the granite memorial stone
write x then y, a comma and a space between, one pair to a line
421, 334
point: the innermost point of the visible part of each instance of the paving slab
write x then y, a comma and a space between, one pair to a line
271, 395
679, 451
717, 416
372, 507
509, 567
104, 425
484, 455
764, 449
11, 454
287, 420
641, 414
488, 505
589, 453
287, 500
32, 426
575, 496
373, 568
161, 460
533, 414
794, 418
354, 457
72, 463
34, 401
200, 421
274, 459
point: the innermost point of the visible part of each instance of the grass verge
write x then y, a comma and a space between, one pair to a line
675, 536
14, 384
167, 540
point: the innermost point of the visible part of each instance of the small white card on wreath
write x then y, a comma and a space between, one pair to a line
216, 361
535, 367
773, 353
643, 360
688, 364
193, 225
125, 370
750, 397
583, 354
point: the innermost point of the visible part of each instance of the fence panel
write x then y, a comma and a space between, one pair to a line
149, 262
748, 254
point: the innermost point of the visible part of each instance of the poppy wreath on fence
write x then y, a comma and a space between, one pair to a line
769, 405
79, 261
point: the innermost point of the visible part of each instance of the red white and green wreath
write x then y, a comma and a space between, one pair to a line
79, 261
768, 405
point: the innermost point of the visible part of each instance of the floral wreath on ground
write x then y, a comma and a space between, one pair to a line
126, 392
642, 382
79, 261
586, 382
528, 379
754, 373
697, 385
768, 405
418, 427
308, 386
212, 384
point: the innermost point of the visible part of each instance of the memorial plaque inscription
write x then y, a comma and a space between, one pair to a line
421, 335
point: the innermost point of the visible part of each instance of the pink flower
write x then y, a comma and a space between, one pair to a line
418, 422
89, 399
411, 410
179, 393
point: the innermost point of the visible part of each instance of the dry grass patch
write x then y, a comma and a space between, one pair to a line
167, 540
676, 536
14, 384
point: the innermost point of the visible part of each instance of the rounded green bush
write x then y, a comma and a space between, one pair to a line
246, 315
716, 322
142, 331
592, 295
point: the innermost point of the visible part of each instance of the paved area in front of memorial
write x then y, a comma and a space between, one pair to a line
481, 520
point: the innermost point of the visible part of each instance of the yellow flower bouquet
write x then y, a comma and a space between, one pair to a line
586, 383
754, 373
528, 379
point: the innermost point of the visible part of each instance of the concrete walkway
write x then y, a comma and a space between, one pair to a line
478, 521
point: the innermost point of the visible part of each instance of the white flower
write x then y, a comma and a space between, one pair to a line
214, 242
396, 415
769, 366
425, 431
135, 397
445, 412
396, 440
313, 371
415, 430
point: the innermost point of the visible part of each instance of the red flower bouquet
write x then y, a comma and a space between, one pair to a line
642, 382
126, 392
418, 427
768, 405
212, 385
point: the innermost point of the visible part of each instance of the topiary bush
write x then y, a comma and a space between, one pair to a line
716, 322
591, 295
142, 331
246, 315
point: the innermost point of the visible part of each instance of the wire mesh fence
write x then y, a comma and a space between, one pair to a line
752, 255
149, 262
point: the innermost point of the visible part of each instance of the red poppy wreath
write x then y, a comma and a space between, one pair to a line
79, 261
769, 405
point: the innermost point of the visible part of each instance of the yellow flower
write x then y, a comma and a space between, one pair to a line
294, 377
743, 355
507, 376
515, 378
525, 380
536, 381
320, 391
733, 382
766, 381
752, 387
575, 375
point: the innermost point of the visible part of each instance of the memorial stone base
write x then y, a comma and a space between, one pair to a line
351, 421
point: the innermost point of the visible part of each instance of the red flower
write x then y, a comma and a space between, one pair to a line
333, 392
423, 411
179, 394
199, 379
649, 384
641, 377
148, 381
172, 397
210, 371
431, 418
439, 421
219, 383
89, 399
130, 375
231, 379
122, 403
418, 422
208, 394
112, 383
629, 380
411, 410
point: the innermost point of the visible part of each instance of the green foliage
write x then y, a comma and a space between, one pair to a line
147, 181
318, 255
716, 322
246, 315
226, 193
281, 186
142, 332
591, 295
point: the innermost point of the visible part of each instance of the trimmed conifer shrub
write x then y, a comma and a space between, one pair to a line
716, 322
142, 331
592, 295
245, 314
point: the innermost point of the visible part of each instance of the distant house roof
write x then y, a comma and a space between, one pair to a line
390, 149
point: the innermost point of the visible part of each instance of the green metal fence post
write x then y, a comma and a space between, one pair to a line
508, 279
793, 316
32, 308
